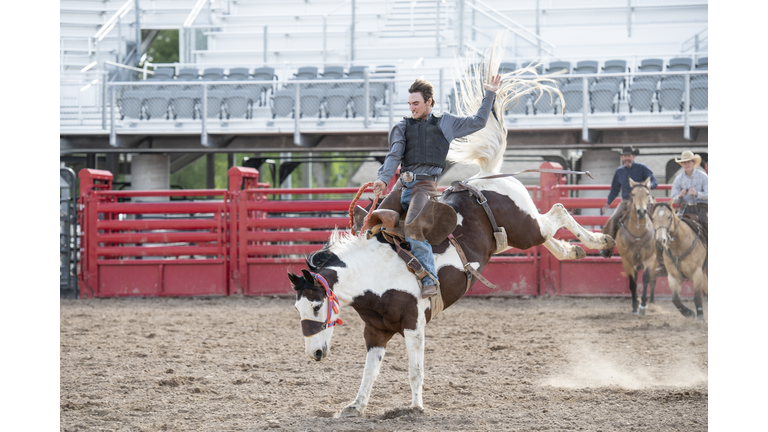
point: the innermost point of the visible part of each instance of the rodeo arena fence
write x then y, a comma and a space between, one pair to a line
242, 240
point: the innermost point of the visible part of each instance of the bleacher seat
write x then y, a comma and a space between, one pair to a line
641, 96
614, 66
162, 74
336, 102
557, 66
538, 68
183, 103
333, 72
700, 94
258, 90
306, 73
573, 93
603, 95
586, 67
671, 95
701, 65
520, 106
545, 104
157, 101
310, 102
358, 103
213, 74
283, 102
507, 67
680, 64
649, 65
188, 74
238, 74
131, 103
452, 101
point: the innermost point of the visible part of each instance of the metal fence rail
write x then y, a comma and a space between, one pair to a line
68, 234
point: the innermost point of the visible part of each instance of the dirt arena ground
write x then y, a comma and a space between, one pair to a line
238, 364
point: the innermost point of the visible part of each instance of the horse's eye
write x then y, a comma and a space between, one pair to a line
316, 308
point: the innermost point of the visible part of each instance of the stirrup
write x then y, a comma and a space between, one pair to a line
428, 291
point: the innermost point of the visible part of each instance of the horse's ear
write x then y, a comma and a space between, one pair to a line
308, 276
632, 183
647, 182
294, 279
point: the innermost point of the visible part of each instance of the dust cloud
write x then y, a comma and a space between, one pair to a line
588, 367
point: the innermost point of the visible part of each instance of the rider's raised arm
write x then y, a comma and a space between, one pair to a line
454, 126
396, 151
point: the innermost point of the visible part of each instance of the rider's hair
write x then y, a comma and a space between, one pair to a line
423, 87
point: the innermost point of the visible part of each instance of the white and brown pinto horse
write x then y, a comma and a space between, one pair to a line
685, 256
636, 242
367, 274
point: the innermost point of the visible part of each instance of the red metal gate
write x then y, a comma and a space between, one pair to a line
243, 240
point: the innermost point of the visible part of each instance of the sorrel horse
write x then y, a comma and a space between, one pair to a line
637, 243
685, 256
367, 274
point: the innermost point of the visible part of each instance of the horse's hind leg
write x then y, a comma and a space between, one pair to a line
698, 282
563, 250
414, 343
558, 217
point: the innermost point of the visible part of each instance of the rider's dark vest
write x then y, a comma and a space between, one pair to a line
425, 142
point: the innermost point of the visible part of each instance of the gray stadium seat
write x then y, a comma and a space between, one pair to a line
131, 103
700, 94
236, 104
333, 72
452, 101
283, 102
262, 74
306, 73
156, 102
238, 74
680, 64
358, 103
336, 102
213, 74
641, 96
507, 67
557, 66
215, 100
649, 65
184, 101
188, 74
161, 74
614, 66
574, 97
603, 94
545, 104
539, 69
586, 67
520, 106
671, 95
701, 65
356, 72
310, 102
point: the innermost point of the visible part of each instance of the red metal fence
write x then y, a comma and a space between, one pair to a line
243, 239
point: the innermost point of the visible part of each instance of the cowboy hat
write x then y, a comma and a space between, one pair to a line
688, 155
630, 150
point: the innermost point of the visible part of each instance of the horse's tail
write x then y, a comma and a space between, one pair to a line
486, 146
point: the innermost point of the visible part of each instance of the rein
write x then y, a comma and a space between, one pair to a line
311, 327
352, 209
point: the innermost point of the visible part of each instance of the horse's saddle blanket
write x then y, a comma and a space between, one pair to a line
693, 222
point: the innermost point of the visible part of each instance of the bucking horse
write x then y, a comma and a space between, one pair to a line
366, 271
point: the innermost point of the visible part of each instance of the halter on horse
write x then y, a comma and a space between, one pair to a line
685, 256
636, 243
367, 274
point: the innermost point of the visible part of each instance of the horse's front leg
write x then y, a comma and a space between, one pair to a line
414, 343
376, 342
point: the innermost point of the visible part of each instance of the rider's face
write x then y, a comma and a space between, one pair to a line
688, 166
627, 160
420, 109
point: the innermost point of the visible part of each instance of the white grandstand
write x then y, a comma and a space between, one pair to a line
655, 52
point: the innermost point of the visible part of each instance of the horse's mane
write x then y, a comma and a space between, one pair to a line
339, 242
486, 146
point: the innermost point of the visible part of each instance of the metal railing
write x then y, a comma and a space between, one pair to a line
68, 234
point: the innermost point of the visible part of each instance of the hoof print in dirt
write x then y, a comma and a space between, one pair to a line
401, 412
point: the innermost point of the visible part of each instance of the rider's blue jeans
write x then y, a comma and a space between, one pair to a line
422, 250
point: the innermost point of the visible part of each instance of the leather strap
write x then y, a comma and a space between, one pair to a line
498, 233
468, 269
413, 264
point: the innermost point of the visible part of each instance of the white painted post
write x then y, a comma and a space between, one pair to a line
367, 98
296, 114
204, 101
585, 109
686, 108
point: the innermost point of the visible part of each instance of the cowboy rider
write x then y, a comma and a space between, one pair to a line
691, 187
420, 144
629, 169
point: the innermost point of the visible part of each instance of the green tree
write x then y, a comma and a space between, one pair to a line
165, 47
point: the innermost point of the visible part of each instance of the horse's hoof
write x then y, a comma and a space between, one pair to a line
610, 243
350, 411
634, 312
579, 252
700, 318
642, 310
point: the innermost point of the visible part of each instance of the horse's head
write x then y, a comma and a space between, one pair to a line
318, 309
663, 219
641, 197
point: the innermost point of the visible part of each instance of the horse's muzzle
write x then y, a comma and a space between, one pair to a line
320, 354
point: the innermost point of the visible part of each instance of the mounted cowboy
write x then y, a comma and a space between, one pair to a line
638, 172
690, 190
420, 145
